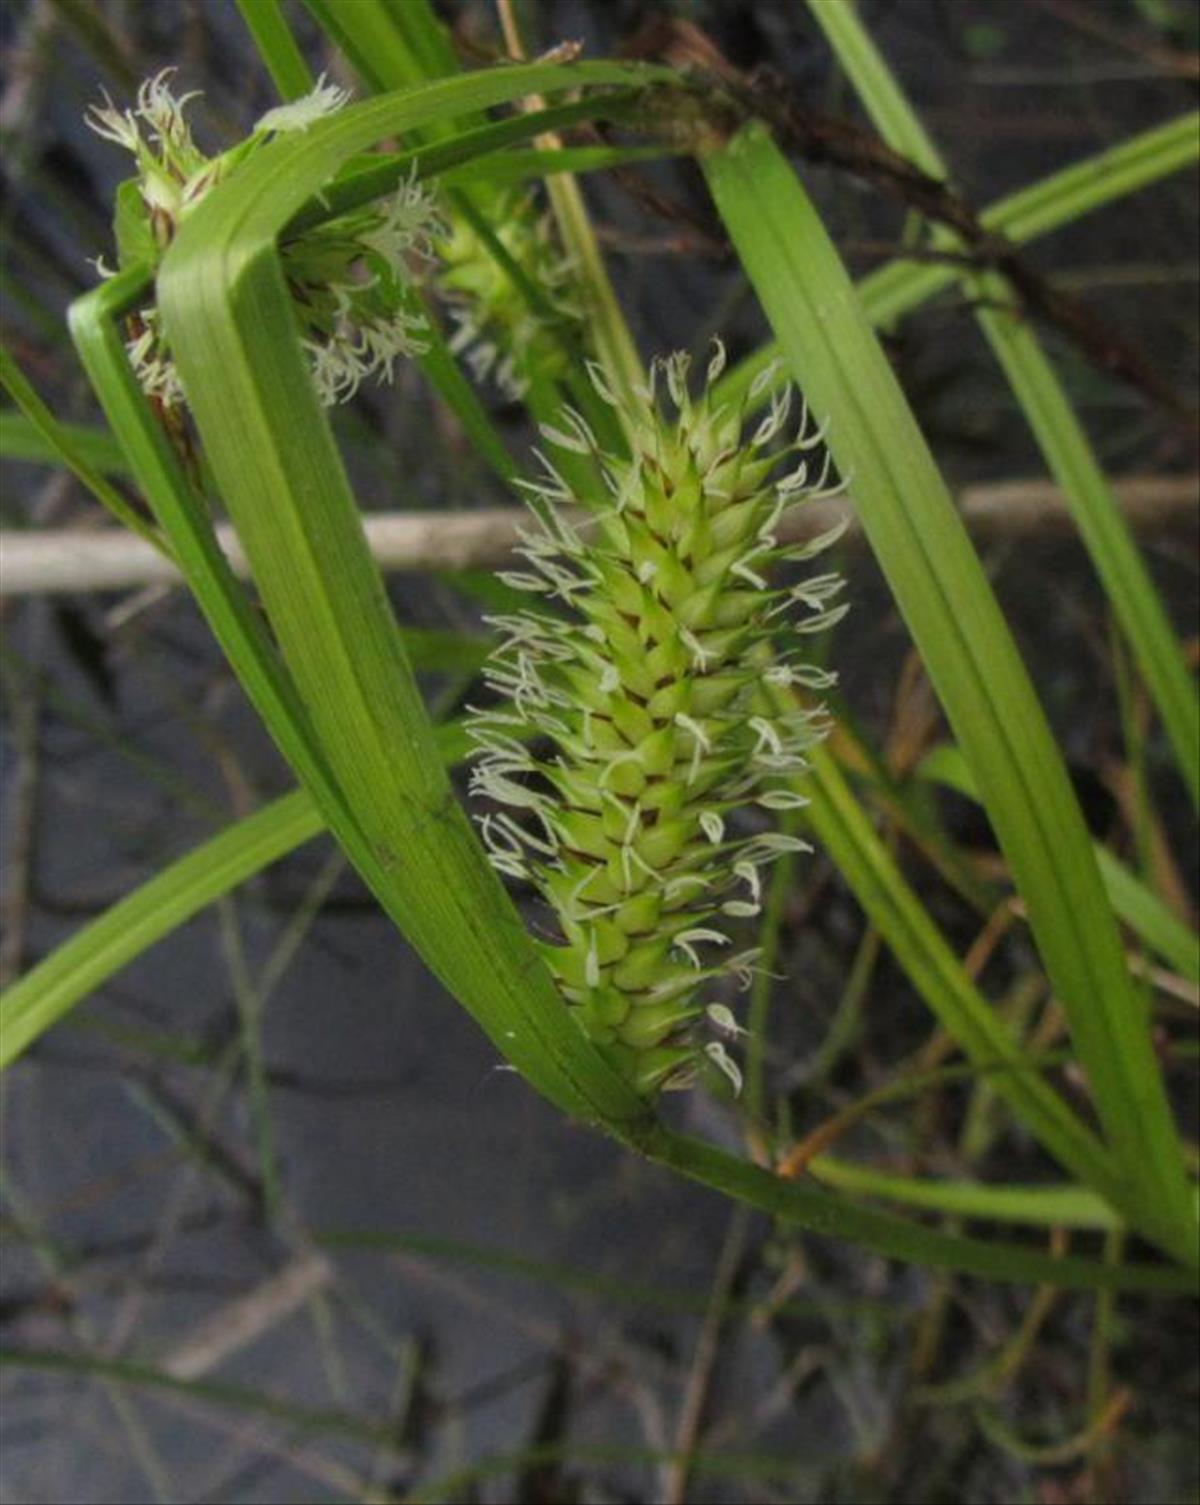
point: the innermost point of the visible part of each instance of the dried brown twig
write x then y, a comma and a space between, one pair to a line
838, 142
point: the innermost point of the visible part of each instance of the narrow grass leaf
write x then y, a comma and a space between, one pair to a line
59, 442
277, 47
1137, 904
80, 965
523, 166
186, 522
1061, 436
1047, 205
243, 1399
23, 439
371, 41
227, 312
1038, 1206
837, 1217
941, 589
845, 832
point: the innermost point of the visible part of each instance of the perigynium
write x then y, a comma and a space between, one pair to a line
637, 751
351, 278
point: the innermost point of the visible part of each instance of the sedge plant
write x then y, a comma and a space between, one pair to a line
648, 739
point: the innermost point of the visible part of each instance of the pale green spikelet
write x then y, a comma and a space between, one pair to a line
641, 812
350, 278
497, 330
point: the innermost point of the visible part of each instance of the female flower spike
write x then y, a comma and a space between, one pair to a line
633, 811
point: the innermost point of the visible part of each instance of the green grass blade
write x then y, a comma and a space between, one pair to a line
276, 45
227, 312
897, 1238
941, 589
1105, 533
82, 964
510, 168
242, 1399
465, 151
372, 42
1039, 1206
23, 439
1061, 436
64, 445
185, 522
1139, 906
1148, 917
427, 38
844, 831
1057, 200
1074, 191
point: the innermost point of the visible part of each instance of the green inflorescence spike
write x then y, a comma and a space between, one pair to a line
632, 762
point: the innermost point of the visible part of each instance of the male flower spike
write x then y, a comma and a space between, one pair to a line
351, 277
635, 734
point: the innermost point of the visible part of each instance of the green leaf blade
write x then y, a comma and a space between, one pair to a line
940, 587
227, 310
80, 965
